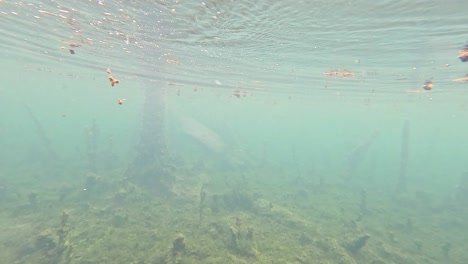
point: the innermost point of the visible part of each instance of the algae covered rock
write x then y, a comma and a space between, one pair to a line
357, 244
45, 240
178, 245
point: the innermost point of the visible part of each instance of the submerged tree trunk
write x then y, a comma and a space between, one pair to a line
152, 161
401, 185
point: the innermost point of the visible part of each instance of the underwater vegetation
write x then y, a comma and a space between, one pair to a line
160, 208
104, 218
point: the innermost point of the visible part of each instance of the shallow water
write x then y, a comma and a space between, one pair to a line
234, 95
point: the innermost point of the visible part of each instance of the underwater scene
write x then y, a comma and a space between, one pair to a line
222, 131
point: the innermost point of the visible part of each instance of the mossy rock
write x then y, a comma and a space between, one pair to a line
45, 240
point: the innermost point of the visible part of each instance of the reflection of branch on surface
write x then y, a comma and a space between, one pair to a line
204, 135
41, 133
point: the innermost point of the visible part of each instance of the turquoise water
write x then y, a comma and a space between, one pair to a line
229, 124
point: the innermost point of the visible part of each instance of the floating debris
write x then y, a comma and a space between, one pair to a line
463, 79
463, 54
239, 93
172, 61
428, 85
338, 73
113, 81
72, 44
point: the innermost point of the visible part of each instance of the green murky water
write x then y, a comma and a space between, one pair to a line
266, 132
